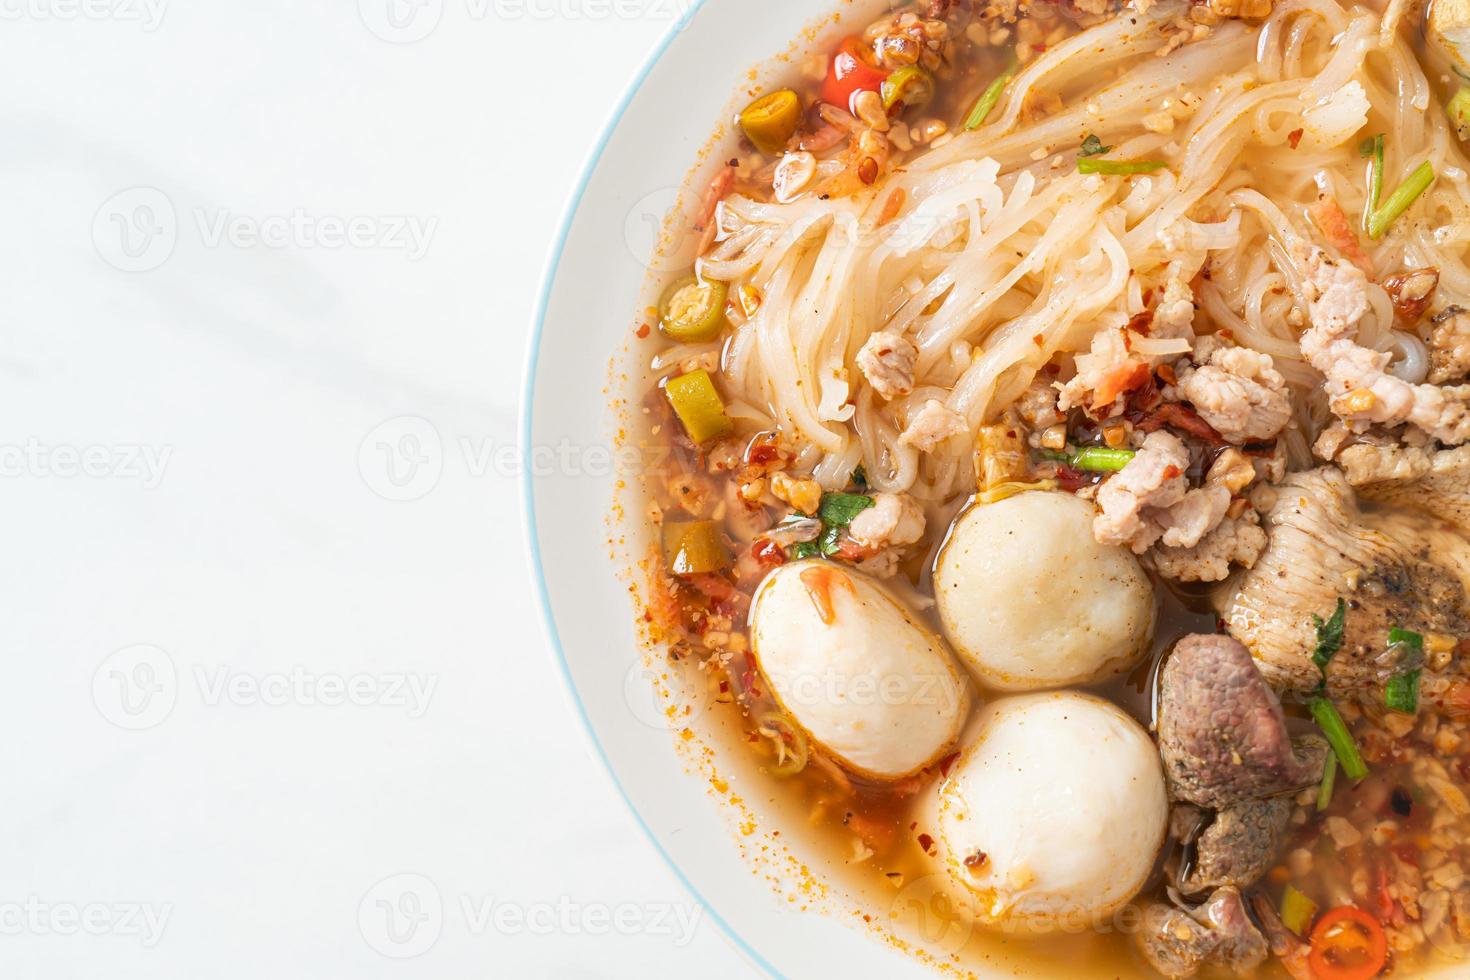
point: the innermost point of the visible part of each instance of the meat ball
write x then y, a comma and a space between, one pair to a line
1030, 600
853, 667
1053, 814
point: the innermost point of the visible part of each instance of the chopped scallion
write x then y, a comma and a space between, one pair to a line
1119, 168
1399, 201
1336, 731
1372, 147
1402, 693
1097, 459
1329, 781
989, 98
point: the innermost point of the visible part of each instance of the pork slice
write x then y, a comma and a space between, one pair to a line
1219, 933
1222, 733
1395, 567
1239, 846
1435, 483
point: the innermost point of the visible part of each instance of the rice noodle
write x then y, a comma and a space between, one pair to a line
1002, 256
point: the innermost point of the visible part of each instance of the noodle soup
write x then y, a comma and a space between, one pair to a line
1065, 494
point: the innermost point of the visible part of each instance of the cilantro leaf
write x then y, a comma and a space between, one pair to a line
838, 509
1329, 636
1092, 146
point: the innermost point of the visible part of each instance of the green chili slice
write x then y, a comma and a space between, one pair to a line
910, 85
694, 311
1459, 111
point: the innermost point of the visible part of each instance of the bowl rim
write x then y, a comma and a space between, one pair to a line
527, 489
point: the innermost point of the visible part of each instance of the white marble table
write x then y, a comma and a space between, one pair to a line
275, 701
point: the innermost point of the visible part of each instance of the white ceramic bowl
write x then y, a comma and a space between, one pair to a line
599, 275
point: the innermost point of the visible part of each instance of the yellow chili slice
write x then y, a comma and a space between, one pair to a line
695, 547
698, 406
771, 120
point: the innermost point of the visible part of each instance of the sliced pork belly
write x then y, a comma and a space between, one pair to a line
1394, 568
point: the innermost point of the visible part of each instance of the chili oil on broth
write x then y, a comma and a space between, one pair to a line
865, 835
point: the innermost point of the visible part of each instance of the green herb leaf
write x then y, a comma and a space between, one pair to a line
1408, 638
1402, 693
838, 509
1336, 731
1092, 146
828, 541
1365, 148
1119, 168
859, 477
805, 549
1329, 636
